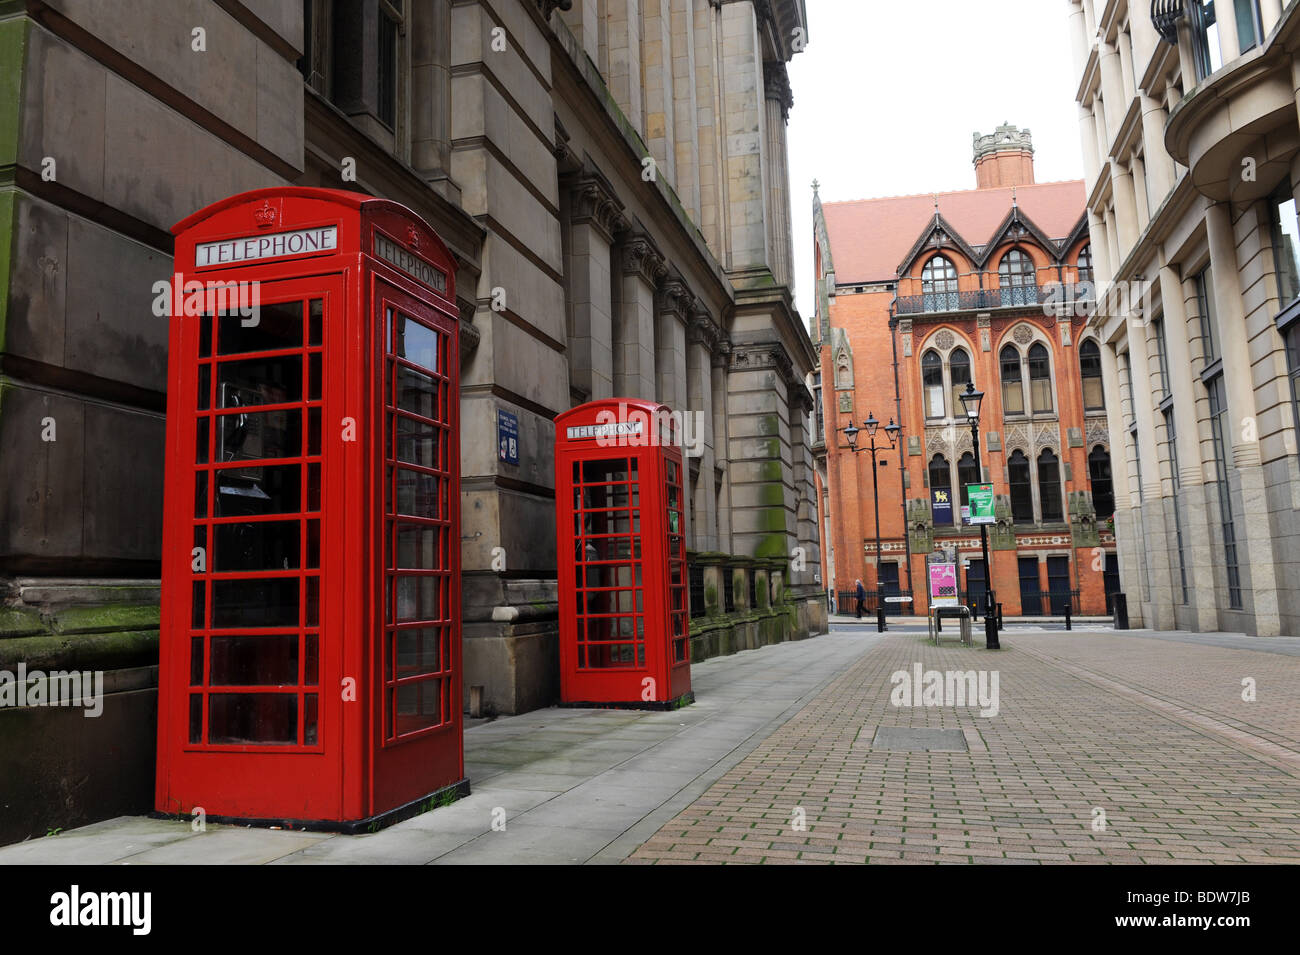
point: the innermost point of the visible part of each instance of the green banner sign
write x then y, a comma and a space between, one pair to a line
981, 503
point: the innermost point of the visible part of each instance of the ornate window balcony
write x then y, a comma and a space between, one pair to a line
981, 300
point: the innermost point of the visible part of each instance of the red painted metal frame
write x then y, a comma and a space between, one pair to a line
352, 771
666, 663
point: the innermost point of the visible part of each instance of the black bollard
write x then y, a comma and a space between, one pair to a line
1068, 625
880, 616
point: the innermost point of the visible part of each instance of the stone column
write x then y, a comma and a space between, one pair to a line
702, 338
1157, 540
1129, 546
744, 168
1126, 213
596, 215
431, 94
657, 78
1088, 136
1112, 88
777, 104
1160, 167
623, 43
1226, 19
686, 107
720, 362
1241, 426
1198, 555
1270, 11
671, 307
634, 326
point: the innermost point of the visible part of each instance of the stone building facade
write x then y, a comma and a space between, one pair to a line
918, 295
610, 176
1191, 149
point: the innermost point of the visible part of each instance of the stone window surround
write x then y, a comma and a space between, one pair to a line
1039, 336
945, 353
1035, 494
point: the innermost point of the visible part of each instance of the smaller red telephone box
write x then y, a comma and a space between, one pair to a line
310, 628
621, 556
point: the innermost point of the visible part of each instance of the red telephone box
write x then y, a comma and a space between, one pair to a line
621, 555
310, 632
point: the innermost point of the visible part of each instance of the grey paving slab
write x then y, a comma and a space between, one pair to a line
99, 843
228, 846
524, 844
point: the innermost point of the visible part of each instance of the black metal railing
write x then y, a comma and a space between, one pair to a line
1016, 296
1165, 15
846, 601
697, 591
1048, 603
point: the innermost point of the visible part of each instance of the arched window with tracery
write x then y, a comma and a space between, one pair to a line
932, 384
1040, 378
1085, 263
1017, 279
959, 374
939, 285
1013, 386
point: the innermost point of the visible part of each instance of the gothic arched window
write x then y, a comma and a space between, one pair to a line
939, 285
1040, 378
932, 384
1013, 389
1090, 373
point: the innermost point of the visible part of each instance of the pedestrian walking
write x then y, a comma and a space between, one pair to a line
862, 598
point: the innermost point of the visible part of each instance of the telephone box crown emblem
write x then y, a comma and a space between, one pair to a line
264, 215
412, 236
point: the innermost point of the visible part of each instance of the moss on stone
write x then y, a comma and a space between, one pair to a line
104, 619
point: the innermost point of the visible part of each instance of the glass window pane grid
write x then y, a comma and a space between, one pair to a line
206, 694
420, 702
608, 638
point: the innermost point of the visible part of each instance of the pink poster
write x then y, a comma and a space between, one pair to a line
943, 585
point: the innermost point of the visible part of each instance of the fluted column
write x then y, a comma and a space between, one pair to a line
777, 103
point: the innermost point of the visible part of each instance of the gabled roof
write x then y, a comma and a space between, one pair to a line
871, 238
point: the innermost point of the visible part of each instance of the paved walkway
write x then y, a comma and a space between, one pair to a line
571, 785
1106, 747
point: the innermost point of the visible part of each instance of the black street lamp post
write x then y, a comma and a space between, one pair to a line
970, 400
892, 432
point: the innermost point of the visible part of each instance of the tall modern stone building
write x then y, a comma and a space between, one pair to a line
1191, 145
611, 177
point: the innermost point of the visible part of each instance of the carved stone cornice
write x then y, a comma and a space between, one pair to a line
594, 202
776, 86
675, 298
638, 256
547, 6
703, 330
760, 356
722, 353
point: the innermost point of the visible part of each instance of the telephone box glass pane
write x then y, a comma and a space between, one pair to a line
417, 343
263, 545
262, 434
245, 492
253, 718
419, 651
255, 661
255, 603
416, 393
277, 326
259, 381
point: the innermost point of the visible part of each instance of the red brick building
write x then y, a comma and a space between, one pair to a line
916, 295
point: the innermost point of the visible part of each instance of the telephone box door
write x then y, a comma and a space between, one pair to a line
417, 660
251, 615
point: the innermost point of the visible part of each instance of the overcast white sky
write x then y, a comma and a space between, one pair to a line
887, 95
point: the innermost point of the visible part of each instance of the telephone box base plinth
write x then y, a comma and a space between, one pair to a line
434, 800
686, 699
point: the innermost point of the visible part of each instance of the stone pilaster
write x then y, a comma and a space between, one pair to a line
673, 303
642, 268
596, 214
777, 103
657, 77
702, 338
623, 45
719, 364
685, 107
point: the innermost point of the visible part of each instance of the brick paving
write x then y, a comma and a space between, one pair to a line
1153, 733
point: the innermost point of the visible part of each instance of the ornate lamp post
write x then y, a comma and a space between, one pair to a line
892, 431
970, 400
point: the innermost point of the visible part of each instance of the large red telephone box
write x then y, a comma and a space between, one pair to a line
310, 633
621, 555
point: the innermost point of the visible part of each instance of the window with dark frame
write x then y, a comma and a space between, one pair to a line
1162, 362
932, 383
967, 473
1013, 390
1022, 497
1102, 483
958, 374
1094, 398
1218, 414
1085, 264
1040, 378
1206, 52
1049, 487
1171, 437
1292, 338
1286, 243
1204, 282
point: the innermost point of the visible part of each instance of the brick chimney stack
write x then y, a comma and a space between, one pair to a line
1004, 158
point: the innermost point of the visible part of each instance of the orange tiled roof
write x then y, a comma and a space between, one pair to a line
870, 237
